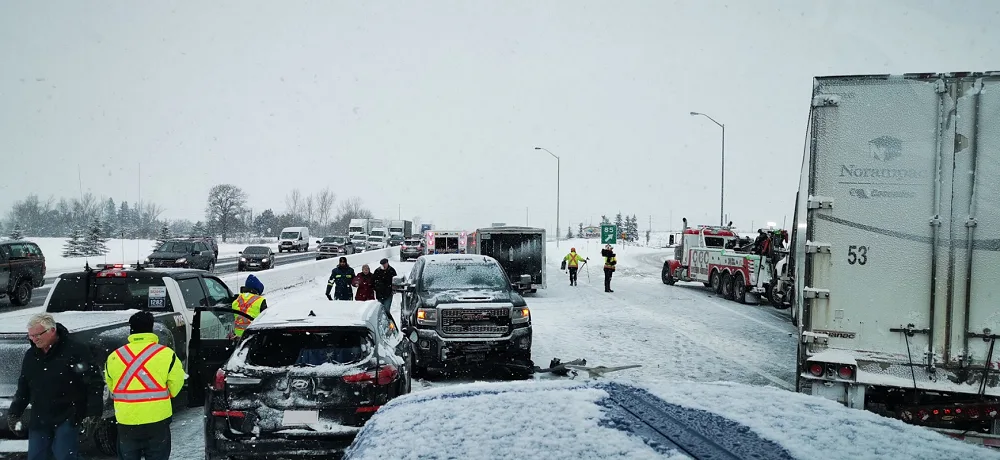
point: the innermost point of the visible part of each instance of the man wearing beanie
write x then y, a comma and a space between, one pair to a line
143, 376
250, 301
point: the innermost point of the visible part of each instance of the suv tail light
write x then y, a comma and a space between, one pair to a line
385, 375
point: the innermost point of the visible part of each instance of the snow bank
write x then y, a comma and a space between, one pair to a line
312, 272
119, 251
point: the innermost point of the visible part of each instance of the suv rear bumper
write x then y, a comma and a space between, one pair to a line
432, 350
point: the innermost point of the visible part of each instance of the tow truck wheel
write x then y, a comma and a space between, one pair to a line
667, 276
740, 289
715, 281
727, 286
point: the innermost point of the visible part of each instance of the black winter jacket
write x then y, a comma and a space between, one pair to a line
63, 384
340, 282
383, 282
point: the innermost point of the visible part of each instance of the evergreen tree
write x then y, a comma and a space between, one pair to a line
94, 244
198, 229
74, 246
619, 224
580, 232
162, 237
633, 228
569, 232
15, 234
604, 220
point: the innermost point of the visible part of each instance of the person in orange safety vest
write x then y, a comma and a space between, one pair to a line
143, 377
250, 301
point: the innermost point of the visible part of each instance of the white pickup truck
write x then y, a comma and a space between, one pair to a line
896, 250
193, 314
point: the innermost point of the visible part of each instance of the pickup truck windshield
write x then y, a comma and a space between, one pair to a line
313, 347
90, 293
335, 240
463, 276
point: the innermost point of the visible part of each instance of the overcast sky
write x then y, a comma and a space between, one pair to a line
434, 107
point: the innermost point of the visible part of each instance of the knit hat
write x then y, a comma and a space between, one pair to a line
140, 322
253, 283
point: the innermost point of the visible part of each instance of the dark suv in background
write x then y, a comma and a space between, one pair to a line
183, 253
22, 269
411, 248
462, 311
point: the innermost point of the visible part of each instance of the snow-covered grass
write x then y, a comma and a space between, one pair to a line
119, 251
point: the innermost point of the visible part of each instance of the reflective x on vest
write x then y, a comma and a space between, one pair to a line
135, 368
242, 321
572, 259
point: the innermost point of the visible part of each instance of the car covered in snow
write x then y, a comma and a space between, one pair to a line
304, 379
462, 311
599, 419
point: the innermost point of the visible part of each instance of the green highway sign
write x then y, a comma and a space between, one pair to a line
609, 234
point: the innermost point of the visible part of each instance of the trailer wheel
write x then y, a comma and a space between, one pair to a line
739, 288
715, 280
727, 286
777, 297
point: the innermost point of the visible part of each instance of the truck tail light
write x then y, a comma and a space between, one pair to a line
845, 372
816, 369
220, 380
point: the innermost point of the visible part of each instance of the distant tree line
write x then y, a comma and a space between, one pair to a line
88, 222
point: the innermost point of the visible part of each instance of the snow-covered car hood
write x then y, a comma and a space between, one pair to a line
591, 420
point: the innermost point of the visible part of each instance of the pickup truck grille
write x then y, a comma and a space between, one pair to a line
472, 321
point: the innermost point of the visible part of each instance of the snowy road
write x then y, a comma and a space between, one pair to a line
677, 333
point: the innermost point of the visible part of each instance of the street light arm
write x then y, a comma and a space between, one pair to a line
547, 150
710, 118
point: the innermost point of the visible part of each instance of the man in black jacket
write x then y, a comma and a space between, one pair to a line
58, 378
340, 281
382, 281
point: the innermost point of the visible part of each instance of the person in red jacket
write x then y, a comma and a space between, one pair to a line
363, 281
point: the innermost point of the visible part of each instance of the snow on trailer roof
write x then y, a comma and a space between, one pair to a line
317, 313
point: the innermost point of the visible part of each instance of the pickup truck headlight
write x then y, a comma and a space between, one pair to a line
181, 260
519, 315
427, 316
243, 259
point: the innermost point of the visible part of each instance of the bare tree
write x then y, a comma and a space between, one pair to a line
352, 208
307, 208
293, 201
324, 205
226, 203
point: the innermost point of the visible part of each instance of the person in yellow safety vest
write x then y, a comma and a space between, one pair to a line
573, 262
143, 376
250, 301
609, 266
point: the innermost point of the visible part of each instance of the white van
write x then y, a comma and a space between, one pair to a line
293, 238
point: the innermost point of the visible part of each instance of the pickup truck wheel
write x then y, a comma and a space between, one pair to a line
106, 437
21, 295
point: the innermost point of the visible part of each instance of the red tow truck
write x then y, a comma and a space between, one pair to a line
713, 256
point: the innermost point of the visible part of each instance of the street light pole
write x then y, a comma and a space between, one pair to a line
557, 190
722, 182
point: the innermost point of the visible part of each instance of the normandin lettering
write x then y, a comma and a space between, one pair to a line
857, 172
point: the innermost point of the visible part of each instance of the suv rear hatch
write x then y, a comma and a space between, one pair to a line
304, 382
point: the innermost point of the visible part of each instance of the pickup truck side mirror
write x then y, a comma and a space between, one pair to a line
399, 284
319, 242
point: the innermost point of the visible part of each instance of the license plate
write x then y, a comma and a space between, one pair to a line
477, 357
254, 265
300, 417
